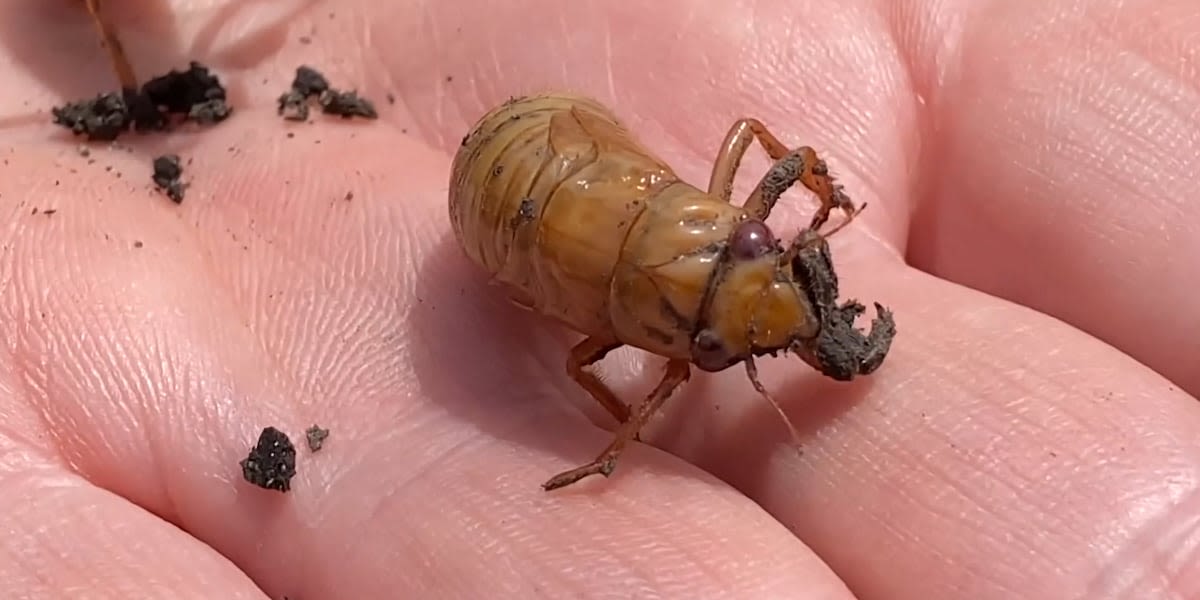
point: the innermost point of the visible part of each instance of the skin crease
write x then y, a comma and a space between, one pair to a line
1035, 439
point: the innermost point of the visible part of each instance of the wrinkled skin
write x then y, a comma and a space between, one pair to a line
1038, 438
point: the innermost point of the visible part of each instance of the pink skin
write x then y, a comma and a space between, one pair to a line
1036, 439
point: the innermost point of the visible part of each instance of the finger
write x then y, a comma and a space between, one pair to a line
1069, 185
302, 297
997, 453
601, 50
53, 51
1001, 560
758, 558
64, 537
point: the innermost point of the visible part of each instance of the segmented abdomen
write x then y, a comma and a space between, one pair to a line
542, 194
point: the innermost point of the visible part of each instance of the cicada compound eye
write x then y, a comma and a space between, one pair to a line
709, 351
751, 239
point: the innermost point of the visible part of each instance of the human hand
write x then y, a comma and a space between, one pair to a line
1043, 153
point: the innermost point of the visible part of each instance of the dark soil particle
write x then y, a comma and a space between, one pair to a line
167, 174
315, 437
309, 83
293, 105
347, 105
101, 118
271, 463
195, 94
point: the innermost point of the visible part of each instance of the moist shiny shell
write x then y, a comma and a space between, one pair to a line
751, 239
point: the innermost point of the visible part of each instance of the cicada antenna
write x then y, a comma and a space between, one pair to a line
811, 236
850, 216
752, 373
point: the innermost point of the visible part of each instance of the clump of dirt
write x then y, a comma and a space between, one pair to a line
316, 437
271, 463
193, 95
101, 118
310, 83
168, 174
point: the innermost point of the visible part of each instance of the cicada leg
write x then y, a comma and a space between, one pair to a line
585, 354
116, 52
801, 164
604, 464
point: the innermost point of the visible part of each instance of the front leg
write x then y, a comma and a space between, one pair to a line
839, 350
802, 164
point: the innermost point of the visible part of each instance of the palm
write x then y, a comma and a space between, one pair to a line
998, 452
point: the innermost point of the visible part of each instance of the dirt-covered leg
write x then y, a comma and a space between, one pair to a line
585, 354
733, 150
677, 373
116, 52
801, 164
840, 351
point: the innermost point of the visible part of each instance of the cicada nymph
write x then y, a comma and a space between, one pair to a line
556, 200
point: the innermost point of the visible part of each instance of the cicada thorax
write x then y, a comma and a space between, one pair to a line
667, 265
688, 286
543, 194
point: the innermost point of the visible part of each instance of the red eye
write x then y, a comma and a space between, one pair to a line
751, 240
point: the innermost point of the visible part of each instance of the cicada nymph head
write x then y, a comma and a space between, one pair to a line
765, 298
753, 306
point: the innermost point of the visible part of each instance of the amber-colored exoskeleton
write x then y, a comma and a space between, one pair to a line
557, 201
116, 52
